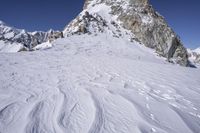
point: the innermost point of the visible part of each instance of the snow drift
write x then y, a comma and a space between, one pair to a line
85, 84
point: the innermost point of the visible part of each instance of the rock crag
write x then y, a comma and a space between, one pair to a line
133, 18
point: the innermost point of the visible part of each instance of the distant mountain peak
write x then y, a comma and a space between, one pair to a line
1, 22
11, 36
197, 50
194, 55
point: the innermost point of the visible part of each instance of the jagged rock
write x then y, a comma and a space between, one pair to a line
136, 16
50, 35
86, 23
53, 35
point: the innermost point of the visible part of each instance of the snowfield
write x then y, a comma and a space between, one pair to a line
97, 84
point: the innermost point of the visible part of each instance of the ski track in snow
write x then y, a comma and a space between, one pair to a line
81, 87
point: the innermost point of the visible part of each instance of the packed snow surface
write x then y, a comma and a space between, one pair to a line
96, 84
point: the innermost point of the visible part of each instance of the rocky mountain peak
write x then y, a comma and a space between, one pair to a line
131, 19
109, 2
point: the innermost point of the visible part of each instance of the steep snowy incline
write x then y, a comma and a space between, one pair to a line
86, 85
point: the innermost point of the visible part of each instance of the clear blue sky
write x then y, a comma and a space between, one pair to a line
182, 15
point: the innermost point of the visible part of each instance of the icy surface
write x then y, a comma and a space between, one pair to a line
97, 84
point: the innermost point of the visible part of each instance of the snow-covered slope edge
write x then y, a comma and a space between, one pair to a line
134, 20
15, 40
86, 85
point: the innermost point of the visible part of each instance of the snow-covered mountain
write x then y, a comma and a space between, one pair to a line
197, 50
104, 81
14, 40
194, 55
131, 19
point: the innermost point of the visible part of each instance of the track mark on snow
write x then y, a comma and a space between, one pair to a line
7, 114
62, 104
191, 121
99, 118
146, 116
38, 115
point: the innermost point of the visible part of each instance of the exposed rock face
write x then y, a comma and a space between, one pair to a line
131, 2
50, 35
136, 16
29, 40
87, 23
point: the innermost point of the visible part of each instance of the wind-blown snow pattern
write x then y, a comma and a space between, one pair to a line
97, 84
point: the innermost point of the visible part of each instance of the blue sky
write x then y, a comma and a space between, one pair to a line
182, 15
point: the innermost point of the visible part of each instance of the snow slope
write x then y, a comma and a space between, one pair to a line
97, 84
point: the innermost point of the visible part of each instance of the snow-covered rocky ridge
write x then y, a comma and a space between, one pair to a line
194, 55
131, 19
97, 84
15, 40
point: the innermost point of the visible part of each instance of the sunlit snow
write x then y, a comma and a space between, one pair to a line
97, 84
